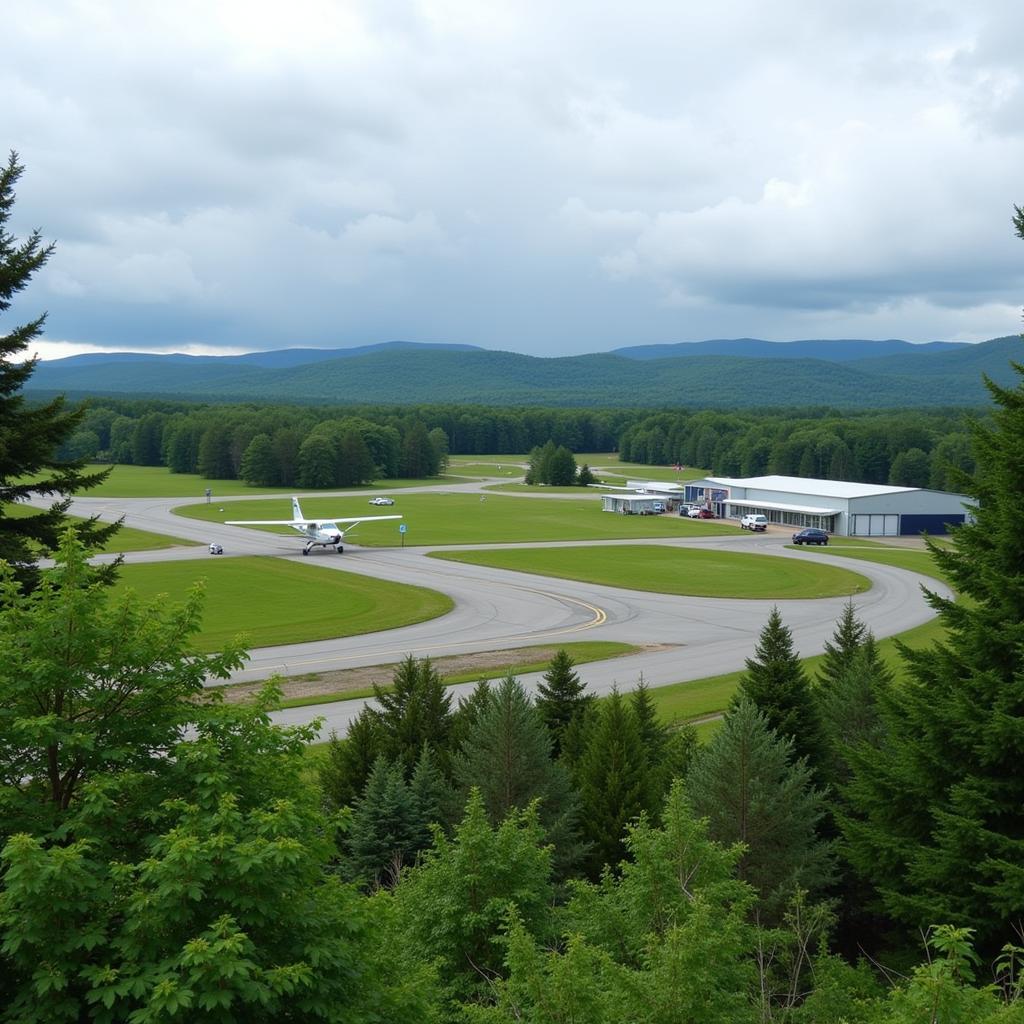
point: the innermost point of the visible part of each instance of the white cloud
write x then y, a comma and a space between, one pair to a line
553, 178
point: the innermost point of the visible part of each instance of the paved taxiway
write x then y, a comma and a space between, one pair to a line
496, 608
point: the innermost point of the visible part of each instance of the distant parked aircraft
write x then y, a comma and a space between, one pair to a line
318, 532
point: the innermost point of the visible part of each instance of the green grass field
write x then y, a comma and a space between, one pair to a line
681, 701
126, 539
466, 519
607, 465
902, 558
665, 570
279, 602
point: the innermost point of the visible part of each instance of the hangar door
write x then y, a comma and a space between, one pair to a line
875, 525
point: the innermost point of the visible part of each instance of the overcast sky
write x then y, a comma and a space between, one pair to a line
549, 177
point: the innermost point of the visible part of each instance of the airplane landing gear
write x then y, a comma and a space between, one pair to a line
340, 549
306, 549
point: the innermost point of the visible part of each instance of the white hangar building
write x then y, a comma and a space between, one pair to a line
846, 509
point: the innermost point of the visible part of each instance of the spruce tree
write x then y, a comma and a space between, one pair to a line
612, 777
469, 710
937, 821
850, 633
387, 828
415, 711
561, 695
349, 761
849, 709
507, 759
775, 683
752, 790
30, 435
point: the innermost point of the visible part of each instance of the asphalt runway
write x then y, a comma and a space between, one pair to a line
498, 609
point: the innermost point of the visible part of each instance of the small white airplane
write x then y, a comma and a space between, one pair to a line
318, 532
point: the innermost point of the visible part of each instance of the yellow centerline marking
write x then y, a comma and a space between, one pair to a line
599, 618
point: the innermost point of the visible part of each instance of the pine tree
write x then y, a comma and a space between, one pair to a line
748, 785
387, 828
259, 467
415, 711
469, 710
937, 821
775, 683
31, 435
612, 777
850, 633
507, 759
437, 802
561, 696
349, 761
849, 709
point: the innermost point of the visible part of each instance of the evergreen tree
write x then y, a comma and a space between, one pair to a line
436, 801
344, 771
507, 759
259, 467
750, 788
316, 462
419, 458
561, 696
561, 468
354, 462
937, 821
30, 435
849, 709
585, 476
215, 452
387, 828
439, 443
415, 711
847, 639
775, 683
468, 712
612, 777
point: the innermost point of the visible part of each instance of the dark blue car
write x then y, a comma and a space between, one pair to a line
810, 536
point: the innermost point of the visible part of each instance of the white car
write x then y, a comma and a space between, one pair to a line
753, 522
694, 512
216, 549
382, 501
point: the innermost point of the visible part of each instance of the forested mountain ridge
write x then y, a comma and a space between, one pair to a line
406, 373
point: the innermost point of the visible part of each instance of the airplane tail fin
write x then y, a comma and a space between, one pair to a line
296, 511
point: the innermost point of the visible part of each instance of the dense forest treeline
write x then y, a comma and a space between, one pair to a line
324, 446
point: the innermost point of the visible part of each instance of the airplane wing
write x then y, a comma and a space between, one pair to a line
268, 522
363, 519
304, 522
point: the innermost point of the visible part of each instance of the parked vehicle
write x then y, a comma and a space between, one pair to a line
693, 512
753, 522
705, 513
382, 501
810, 536
658, 507
216, 549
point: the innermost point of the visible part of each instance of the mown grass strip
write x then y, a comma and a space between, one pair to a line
681, 571
273, 601
435, 519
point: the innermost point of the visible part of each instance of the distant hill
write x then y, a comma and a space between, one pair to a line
838, 350
403, 373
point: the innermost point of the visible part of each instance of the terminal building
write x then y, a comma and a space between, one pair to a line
845, 509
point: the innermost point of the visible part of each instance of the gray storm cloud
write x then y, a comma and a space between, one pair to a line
545, 178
